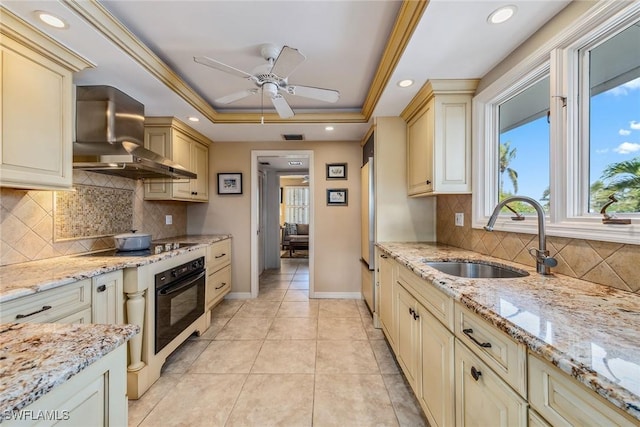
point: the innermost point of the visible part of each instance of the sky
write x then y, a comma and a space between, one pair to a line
615, 137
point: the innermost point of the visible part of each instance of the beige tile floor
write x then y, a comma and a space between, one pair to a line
282, 360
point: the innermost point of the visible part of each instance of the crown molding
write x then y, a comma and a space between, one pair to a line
106, 24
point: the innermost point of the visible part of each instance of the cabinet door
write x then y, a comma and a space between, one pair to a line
218, 285
158, 140
408, 337
36, 121
420, 151
108, 298
482, 398
83, 316
437, 392
182, 155
387, 298
200, 165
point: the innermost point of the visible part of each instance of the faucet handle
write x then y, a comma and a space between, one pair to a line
543, 257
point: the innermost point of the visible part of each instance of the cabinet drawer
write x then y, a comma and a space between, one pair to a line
497, 349
218, 284
482, 397
439, 304
219, 255
48, 306
563, 401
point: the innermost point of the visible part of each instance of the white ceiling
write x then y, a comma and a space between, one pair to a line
342, 40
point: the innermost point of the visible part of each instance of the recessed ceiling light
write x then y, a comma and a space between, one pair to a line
193, 119
405, 83
328, 128
51, 20
502, 14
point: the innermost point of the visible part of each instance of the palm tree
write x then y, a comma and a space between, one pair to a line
624, 179
507, 154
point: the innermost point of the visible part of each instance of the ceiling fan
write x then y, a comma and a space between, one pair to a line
272, 78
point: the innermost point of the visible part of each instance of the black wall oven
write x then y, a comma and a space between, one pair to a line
179, 300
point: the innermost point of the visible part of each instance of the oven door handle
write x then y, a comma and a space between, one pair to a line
170, 289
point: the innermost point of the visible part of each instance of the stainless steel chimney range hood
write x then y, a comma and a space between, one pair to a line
110, 137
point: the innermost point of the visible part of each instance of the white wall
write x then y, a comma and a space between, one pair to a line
337, 229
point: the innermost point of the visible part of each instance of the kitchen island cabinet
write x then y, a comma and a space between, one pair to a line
523, 351
36, 91
175, 140
69, 374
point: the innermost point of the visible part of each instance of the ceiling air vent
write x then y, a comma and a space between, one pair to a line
293, 137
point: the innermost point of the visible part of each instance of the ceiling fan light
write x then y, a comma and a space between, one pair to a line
502, 14
270, 89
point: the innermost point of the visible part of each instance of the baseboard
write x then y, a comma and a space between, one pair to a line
337, 295
238, 295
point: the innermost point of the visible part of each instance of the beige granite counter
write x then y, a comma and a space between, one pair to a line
589, 331
36, 358
17, 280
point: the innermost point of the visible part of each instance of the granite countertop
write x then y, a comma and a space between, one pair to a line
589, 331
27, 278
37, 357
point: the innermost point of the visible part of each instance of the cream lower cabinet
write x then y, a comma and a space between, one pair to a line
387, 303
482, 397
107, 303
218, 273
175, 140
36, 94
95, 397
66, 304
563, 402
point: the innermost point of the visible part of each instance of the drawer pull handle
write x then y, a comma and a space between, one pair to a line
222, 285
411, 312
384, 256
475, 373
44, 308
220, 256
416, 316
102, 288
468, 333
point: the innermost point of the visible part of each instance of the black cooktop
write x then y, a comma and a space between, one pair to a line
154, 249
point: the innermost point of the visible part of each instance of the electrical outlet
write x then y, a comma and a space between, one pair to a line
459, 219
168, 219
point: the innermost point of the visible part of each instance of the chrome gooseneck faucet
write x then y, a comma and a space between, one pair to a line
544, 262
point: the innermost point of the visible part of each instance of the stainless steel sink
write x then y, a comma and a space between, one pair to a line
476, 269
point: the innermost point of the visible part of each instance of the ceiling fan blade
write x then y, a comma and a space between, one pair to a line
222, 67
236, 96
287, 61
282, 107
327, 95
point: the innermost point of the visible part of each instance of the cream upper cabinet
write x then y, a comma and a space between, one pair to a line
36, 107
173, 139
439, 138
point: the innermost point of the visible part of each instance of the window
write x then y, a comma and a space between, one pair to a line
563, 127
611, 84
296, 205
523, 152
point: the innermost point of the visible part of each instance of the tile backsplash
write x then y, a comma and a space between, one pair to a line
27, 219
611, 264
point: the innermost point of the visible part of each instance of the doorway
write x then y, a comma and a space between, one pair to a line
267, 166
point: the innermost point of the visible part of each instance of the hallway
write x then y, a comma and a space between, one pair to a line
285, 360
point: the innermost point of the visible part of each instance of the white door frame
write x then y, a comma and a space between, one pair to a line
255, 276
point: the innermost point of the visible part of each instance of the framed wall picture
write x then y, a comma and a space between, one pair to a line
336, 171
337, 197
230, 183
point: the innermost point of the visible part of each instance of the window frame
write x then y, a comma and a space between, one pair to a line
568, 216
